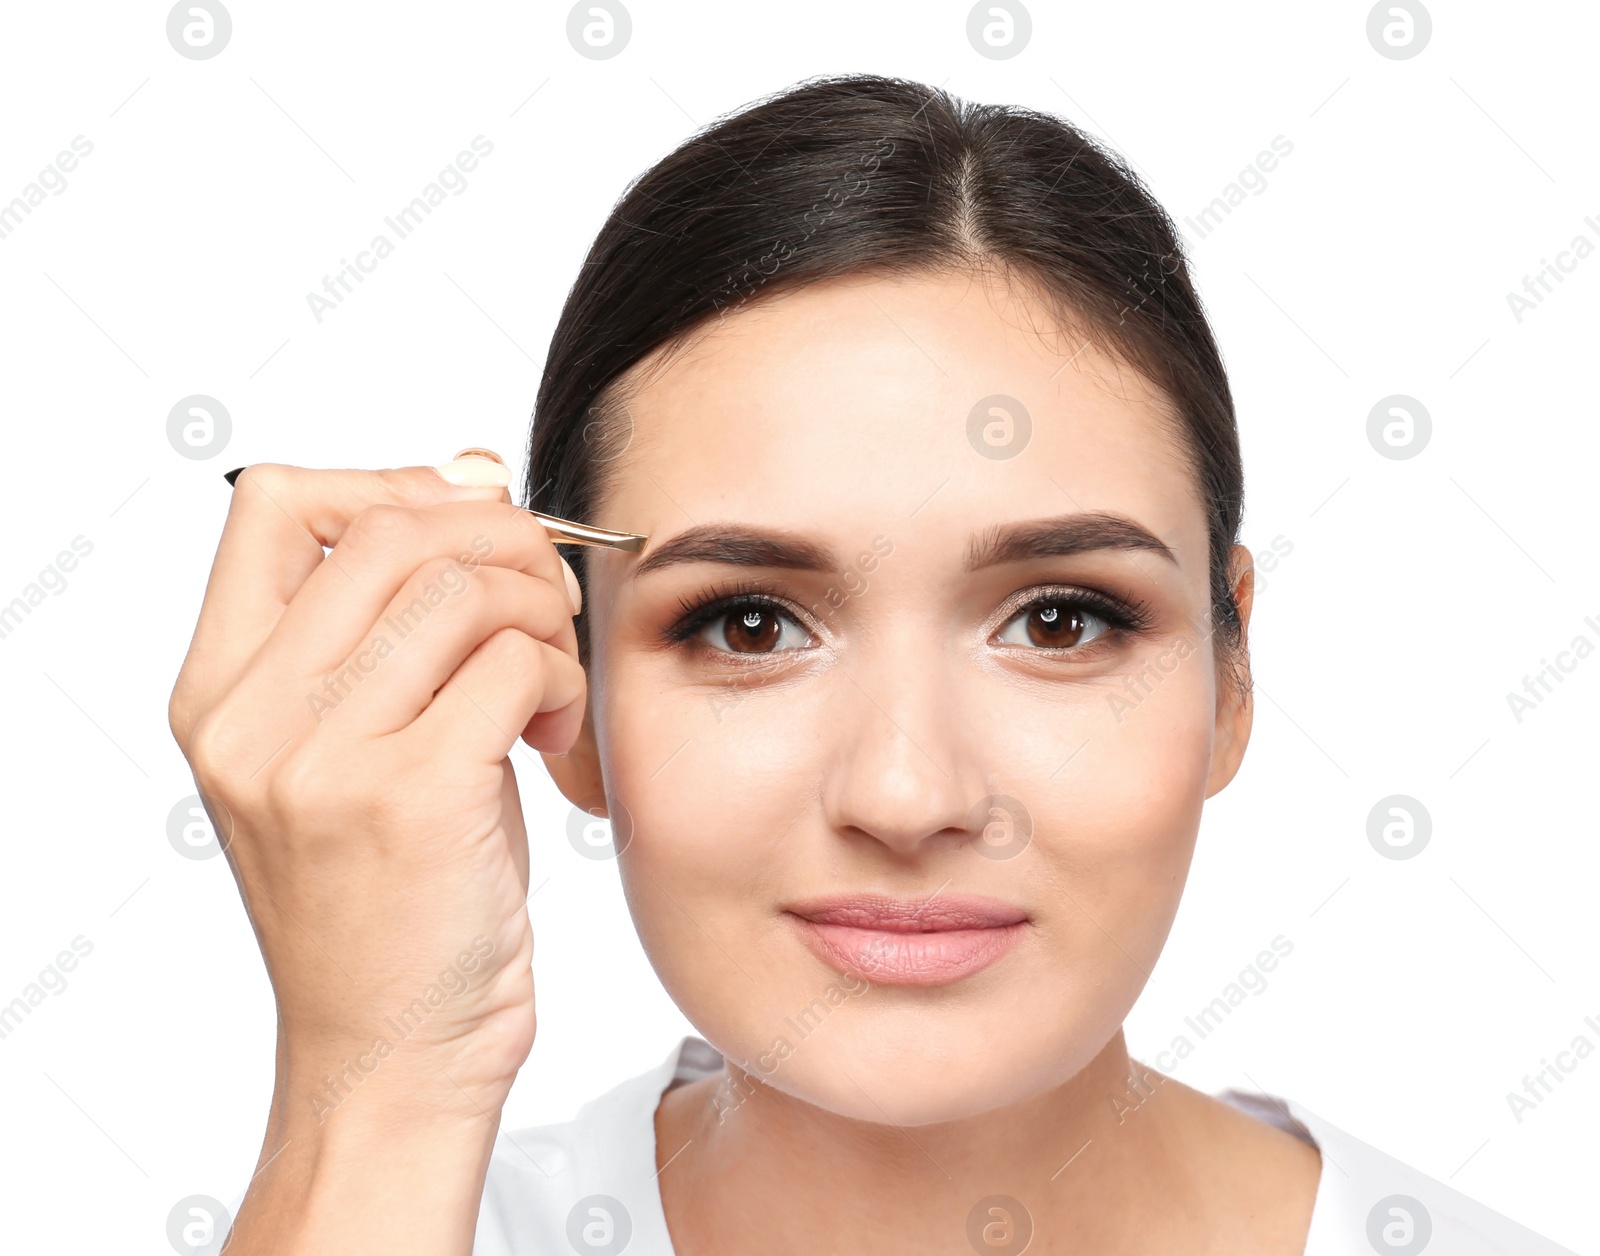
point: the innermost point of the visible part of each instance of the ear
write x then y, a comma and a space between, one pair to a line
1235, 701
577, 773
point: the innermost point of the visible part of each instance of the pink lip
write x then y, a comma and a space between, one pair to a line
926, 941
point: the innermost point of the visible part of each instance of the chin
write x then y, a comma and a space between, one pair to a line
909, 1065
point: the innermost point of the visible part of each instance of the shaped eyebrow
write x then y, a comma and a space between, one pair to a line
1062, 536
741, 545
738, 545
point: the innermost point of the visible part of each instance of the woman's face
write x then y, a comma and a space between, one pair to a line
977, 667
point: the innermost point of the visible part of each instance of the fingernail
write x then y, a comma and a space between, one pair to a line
574, 592
473, 468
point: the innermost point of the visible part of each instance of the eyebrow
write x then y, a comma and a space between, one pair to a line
1062, 536
739, 545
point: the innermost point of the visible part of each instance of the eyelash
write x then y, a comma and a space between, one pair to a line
721, 599
1127, 618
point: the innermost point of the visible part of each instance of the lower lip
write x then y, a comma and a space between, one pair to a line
886, 957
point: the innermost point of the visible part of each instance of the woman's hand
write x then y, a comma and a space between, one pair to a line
348, 719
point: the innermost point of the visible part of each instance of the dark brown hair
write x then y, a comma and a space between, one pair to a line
863, 173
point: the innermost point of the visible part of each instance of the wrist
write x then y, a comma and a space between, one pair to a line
378, 1172
390, 1077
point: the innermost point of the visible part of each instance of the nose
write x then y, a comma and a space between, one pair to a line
901, 771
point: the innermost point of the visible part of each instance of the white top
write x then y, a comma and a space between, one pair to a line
538, 1177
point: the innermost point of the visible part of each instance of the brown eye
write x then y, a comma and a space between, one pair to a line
1053, 625
752, 628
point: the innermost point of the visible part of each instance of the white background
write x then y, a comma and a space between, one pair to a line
1376, 261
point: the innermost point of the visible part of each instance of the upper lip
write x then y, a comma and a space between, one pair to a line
932, 913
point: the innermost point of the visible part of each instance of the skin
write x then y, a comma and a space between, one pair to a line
377, 840
373, 825
852, 757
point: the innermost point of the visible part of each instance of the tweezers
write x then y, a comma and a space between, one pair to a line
562, 531
566, 532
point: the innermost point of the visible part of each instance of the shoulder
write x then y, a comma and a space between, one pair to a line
1252, 1180
1368, 1201
590, 1181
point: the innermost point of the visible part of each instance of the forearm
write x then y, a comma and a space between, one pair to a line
367, 1179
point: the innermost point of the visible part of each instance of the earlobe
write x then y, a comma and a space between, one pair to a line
577, 773
1235, 701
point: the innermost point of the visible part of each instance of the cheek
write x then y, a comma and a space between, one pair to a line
713, 793
1126, 810
705, 770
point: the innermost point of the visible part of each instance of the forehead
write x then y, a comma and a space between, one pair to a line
856, 402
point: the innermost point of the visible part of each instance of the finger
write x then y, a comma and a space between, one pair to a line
425, 634
386, 549
503, 685
279, 520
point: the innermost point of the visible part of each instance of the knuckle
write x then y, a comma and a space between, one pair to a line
474, 587
272, 478
519, 650
300, 786
441, 585
539, 663
180, 713
570, 669
514, 657
402, 485
413, 486
213, 752
379, 530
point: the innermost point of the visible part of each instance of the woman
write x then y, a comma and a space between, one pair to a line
903, 719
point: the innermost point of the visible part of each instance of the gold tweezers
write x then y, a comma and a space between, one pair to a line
566, 532
562, 531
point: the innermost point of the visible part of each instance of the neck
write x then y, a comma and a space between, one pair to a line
1079, 1159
